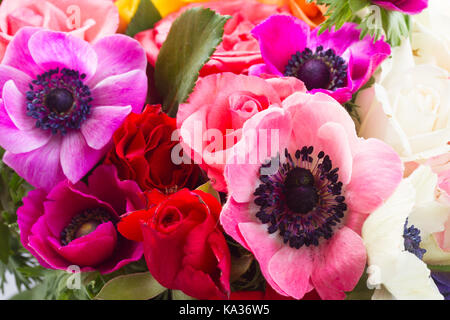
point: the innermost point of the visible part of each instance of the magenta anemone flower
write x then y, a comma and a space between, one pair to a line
405, 6
337, 63
76, 224
300, 210
62, 99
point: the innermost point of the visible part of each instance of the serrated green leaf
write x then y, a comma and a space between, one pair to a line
192, 40
145, 18
136, 286
357, 5
208, 188
4, 243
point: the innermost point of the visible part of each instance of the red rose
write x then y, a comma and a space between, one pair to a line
239, 49
142, 152
183, 246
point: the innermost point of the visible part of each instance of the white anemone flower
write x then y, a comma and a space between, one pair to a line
391, 236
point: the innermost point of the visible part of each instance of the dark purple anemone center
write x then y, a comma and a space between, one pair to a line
84, 223
318, 70
303, 199
59, 100
412, 239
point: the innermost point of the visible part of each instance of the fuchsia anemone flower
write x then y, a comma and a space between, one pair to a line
300, 213
405, 6
62, 99
76, 224
337, 63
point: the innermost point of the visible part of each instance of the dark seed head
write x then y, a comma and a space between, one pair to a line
59, 100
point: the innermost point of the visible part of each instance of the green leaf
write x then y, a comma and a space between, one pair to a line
396, 25
4, 243
145, 18
136, 286
439, 268
361, 291
192, 40
180, 295
208, 188
357, 5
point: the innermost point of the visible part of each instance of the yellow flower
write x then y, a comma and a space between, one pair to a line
127, 8
310, 13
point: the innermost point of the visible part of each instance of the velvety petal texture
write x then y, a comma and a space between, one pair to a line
110, 77
45, 217
369, 172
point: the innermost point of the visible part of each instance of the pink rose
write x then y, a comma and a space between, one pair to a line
238, 50
211, 121
88, 19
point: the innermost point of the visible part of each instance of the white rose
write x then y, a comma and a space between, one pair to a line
430, 35
397, 269
408, 107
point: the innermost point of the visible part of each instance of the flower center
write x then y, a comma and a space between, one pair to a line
59, 100
302, 200
318, 70
412, 239
300, 192
84, 223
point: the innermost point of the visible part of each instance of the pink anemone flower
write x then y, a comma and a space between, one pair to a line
75, 224
300, 209
62, 99
336, 62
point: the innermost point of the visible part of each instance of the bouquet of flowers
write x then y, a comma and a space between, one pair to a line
232, 149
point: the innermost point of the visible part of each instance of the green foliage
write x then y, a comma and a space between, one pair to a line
145, 18
192, 40
13, 257
208, 188
439, 268
376, 23
136, 286
361, 291
352, 107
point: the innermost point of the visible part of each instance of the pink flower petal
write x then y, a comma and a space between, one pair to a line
90, 249
280, 31
264, 246
27, 216
41, 167
21, 79
334, 142
18, 55
18, 141
339, 264
310, 112
291, 270
256, 146
377, 171
119, 54
235, 213
51, 49
122, 90
16, 107
65, 197
77, 158
99, 128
